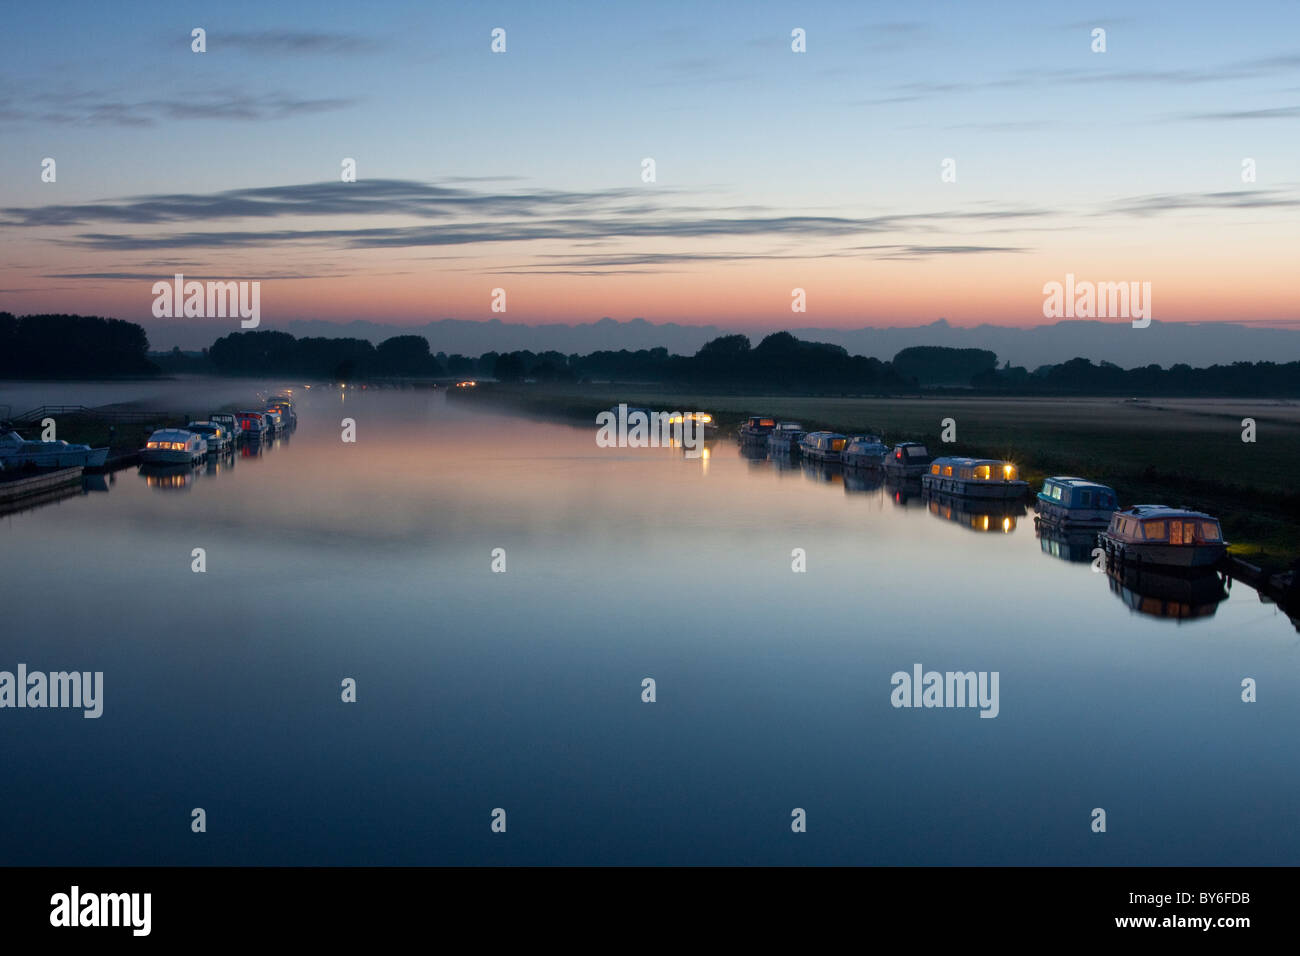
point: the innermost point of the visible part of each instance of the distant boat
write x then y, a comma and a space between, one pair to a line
17, 452
784, 438
1164, 536
1076, 502
173, 446
974, 478
864, 451
230, 423
757, 428
253, 425
823, 446
909, 459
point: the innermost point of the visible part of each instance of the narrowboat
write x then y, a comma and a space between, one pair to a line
909, 459
784, 438
173, 446
974, 478
823, 446
1076, 502
17, 453
864, 451
757, 428
1164, 536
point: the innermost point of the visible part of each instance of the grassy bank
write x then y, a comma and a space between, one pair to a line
1181, 452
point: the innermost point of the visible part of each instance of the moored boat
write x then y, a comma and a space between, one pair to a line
173, 446
864, 451
253, 425
974, 478
822, 446
784, 438
909, 459
1076, 502
757, 428
1164, 536
215, 435
17, 453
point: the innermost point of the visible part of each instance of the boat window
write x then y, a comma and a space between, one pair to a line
917, 451
1210, 530
982, 472
1056, 492
963, 473
837, 444
947, 471
934, 469
1154, 530
1176, 533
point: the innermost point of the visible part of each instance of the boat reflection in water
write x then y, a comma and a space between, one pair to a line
1072, 545
1173, 595
170, 477
754, 450
904, 492
862, 480
988, 514
822, 472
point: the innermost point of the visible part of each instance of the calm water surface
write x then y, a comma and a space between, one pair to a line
522, 690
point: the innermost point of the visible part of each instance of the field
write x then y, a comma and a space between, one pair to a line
1175, 451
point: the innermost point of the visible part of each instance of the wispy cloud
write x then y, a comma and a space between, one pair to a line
93, 108
295, 41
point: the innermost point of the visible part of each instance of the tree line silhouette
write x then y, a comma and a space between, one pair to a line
72, 346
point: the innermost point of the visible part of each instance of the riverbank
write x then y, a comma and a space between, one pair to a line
1179, 451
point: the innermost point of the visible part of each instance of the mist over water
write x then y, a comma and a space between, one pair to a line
522, 690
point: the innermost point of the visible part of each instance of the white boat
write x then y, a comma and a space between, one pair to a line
173, 446
214, 434
784, 438
230, 423
17, 452
864, 451
909, 459
823, 446
974, 478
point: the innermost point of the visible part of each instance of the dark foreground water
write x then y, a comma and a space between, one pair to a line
523, 690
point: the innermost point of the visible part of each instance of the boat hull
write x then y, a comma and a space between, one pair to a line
972, 488
1052, 513
1163, 555
166, 456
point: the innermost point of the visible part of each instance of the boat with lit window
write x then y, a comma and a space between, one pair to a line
864, 451
1076, 502
974, 478
1164, 536
784, 438
17, 453
909, 459
757, 428
173, 446
823, 446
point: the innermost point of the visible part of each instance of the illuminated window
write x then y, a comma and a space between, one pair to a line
947, 471
982, 472
1056, 492
1176, 532
934, 469
1154, 530
1210, 530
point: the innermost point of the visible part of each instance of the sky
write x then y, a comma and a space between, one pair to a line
774, 170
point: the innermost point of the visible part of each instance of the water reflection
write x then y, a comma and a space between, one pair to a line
860, 480
822, 472
904, 492
170, 477
983, 515
1174, 596
1075, 546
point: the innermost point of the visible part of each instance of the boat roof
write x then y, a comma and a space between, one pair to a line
970, 461
1164, 511
832, 434
175, 434
790, 425
1078, 482
909, 444
874, 438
